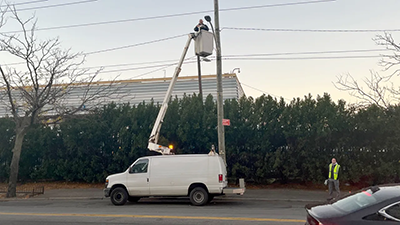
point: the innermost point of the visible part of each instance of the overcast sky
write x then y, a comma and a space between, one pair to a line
287, 75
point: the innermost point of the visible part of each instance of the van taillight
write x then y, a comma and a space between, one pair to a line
220, 176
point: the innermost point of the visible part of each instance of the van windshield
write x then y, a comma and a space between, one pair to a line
355, 202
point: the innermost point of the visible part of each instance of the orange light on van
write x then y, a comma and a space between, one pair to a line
220, 178
171, 147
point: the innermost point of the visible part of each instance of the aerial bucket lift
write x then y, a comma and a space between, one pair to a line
204, 46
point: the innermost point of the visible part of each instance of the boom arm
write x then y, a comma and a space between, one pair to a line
155, 133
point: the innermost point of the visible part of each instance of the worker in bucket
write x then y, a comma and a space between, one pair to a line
200, 26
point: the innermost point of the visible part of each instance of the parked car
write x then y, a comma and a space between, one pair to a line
374, 205
199, 176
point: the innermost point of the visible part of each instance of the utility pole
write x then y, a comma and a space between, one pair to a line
199, 72
220, 100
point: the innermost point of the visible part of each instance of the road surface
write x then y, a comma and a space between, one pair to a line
150, 211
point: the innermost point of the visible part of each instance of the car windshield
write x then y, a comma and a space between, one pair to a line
355, 202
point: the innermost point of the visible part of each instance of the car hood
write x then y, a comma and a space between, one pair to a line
324, 211
115, 176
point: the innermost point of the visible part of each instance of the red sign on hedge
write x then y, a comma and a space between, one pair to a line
226, 122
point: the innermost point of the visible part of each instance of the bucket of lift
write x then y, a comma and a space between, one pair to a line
204, 43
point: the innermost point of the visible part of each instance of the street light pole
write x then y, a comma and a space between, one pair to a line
220, 100
199, 72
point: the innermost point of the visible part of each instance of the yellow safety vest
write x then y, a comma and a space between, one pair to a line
335, 171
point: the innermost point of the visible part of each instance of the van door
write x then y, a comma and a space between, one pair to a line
138, 178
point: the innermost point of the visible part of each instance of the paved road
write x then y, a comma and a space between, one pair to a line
274, 207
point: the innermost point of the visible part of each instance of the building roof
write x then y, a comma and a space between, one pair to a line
137, 91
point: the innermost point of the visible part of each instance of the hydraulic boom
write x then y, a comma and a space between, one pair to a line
155, 133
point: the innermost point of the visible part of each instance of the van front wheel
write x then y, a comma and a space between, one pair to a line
198, 196
119, 196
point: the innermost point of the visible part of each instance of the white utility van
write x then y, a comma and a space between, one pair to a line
199, 176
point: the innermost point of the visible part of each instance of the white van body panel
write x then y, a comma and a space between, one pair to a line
172, 175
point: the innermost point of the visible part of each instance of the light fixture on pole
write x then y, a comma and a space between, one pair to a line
208, 19
238, 69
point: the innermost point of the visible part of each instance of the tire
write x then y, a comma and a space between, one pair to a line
133, 199
198, 196
119, 196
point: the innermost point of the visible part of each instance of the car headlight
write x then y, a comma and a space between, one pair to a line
106, 184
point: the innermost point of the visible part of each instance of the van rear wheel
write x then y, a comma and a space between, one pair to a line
119, 196
198, 196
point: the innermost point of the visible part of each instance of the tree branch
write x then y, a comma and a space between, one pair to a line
377, 87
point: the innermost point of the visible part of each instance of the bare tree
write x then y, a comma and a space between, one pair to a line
378, 89
3, 10
39, 88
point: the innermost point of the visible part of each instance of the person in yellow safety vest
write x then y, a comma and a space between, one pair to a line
333, 179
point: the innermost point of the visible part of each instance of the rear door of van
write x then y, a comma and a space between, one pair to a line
216, 175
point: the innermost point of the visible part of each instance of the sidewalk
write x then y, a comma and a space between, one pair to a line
76, 193
250, 194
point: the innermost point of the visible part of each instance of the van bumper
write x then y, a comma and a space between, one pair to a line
237, 191
106, 192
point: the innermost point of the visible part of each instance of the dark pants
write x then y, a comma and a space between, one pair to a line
333, 185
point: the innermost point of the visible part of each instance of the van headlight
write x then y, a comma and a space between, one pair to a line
106, 184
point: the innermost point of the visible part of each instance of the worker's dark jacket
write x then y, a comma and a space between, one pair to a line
202, 27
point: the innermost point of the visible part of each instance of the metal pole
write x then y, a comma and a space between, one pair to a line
220, 100
199, 71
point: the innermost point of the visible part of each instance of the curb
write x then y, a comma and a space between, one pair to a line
270, 199
68, 198
217, 198
49, 198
